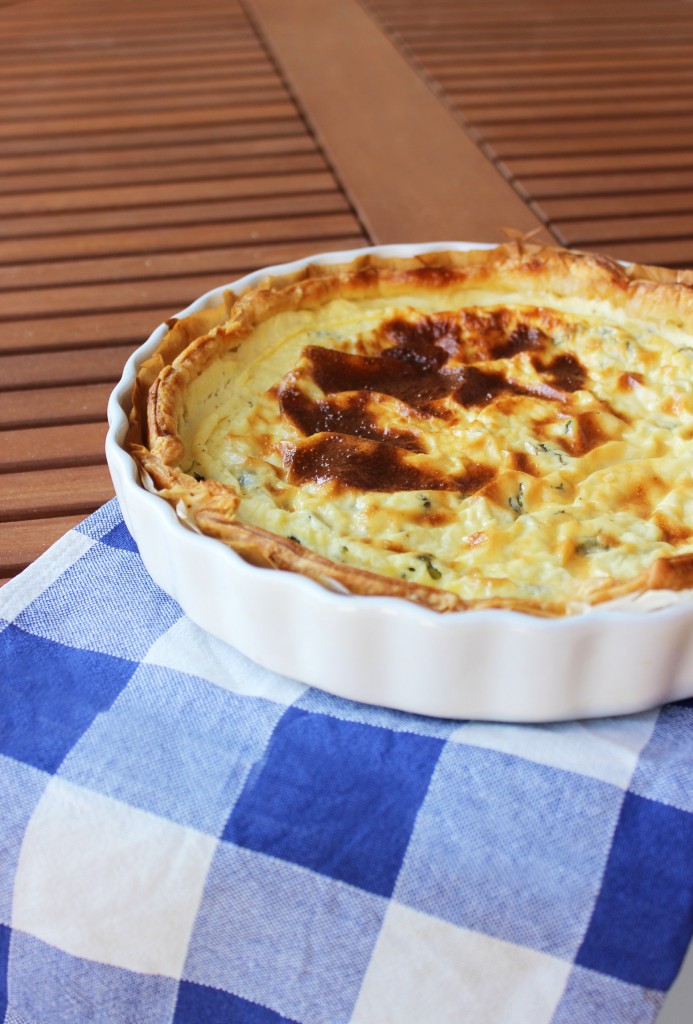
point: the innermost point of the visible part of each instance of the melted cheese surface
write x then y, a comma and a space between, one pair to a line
491, 449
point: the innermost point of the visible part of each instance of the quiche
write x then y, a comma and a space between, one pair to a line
498, 428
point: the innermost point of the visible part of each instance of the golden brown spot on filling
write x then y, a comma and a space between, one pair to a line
586, 433
672, 532
369, 466
412, 380
523, 462
344, 414
629, 381
564, 371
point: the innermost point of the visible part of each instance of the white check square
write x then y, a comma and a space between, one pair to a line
423, 969
110, 883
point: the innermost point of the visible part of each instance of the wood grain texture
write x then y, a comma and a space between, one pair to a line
408, 166
22, 542
579, 105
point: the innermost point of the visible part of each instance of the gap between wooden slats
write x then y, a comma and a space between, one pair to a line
75, 127
178, 171
140, 88
149, 140
159, 159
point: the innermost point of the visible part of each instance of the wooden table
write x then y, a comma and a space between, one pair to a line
151, 151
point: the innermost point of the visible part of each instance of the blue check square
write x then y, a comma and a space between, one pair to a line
5, 934
51, 693
642, 922
120, 537
503, 845
336, 796
201, 1004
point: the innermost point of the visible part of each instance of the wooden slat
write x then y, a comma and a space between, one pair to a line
448, 189
44, 447
36, 336
40, 494
22, 542
580, 208
71, 127
62, 368
154, 135
586, 232
656, 145
41, 407
140, 83
625, 181
135, 100
659, 252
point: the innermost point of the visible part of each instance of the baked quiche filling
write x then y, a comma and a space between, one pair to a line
511, 428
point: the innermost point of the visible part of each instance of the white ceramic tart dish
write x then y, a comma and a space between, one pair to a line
451, 479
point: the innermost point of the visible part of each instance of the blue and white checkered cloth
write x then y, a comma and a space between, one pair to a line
187, 838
